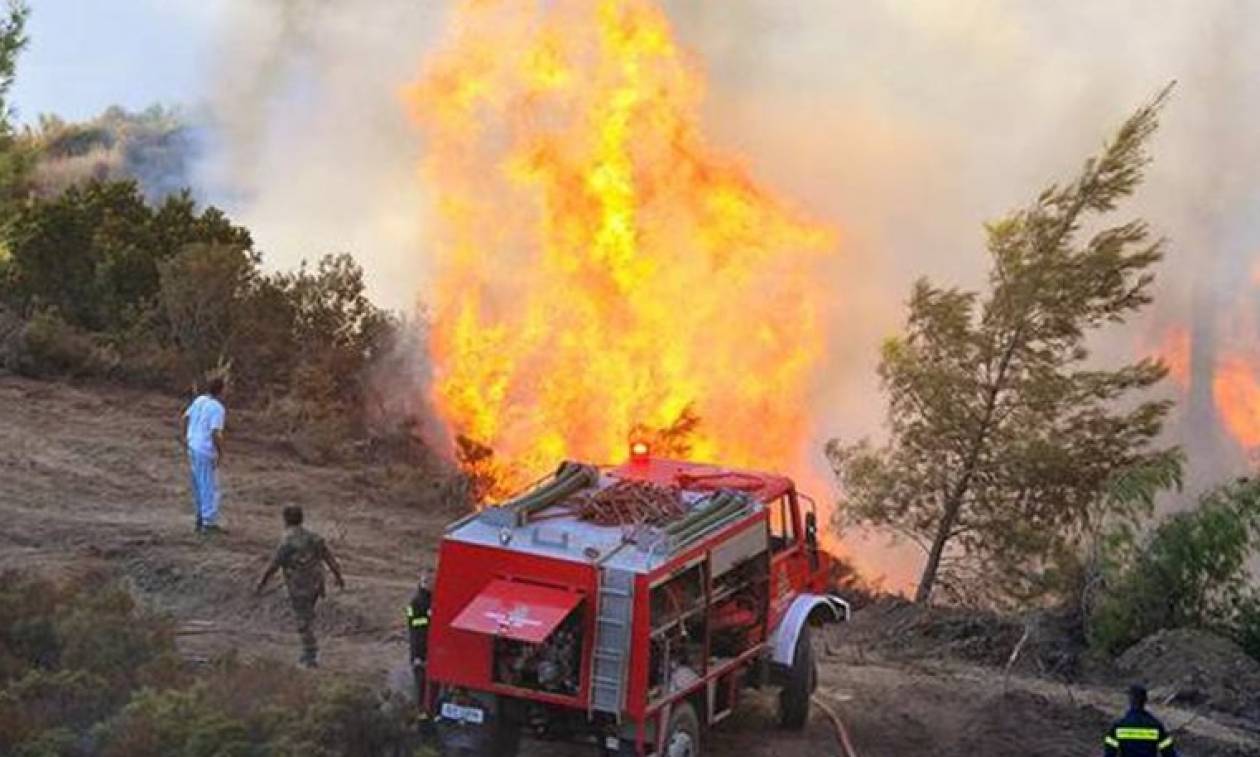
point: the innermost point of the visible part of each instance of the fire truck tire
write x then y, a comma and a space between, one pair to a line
682, 737
802, 679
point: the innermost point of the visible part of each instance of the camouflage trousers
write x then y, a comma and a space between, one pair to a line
304, 612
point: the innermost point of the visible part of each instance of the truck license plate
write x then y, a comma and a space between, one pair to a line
452, 711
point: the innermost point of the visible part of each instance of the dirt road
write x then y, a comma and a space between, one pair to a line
94, 477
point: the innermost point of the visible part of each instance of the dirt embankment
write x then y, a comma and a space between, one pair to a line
95, 478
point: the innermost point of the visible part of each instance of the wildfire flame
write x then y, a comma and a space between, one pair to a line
1236, 393
600, 269
1174, 350
1235, 366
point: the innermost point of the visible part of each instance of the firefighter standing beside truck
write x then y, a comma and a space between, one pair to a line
1138, 733
417, 614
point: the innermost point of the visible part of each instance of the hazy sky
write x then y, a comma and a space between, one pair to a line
86, 55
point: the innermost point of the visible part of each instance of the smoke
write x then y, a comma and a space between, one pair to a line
313, 150
906, 122
912, 122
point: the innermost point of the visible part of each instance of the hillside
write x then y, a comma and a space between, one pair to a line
94, 478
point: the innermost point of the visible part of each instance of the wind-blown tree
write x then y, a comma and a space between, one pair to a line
12, 41
1003, 437
15, 160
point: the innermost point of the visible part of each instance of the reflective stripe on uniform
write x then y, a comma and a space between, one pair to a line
1165, 743
1109, 741
1137, 734
414, 621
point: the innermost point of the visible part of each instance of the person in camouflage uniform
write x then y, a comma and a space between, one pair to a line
302, 555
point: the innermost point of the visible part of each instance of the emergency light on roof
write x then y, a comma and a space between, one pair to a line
639, 451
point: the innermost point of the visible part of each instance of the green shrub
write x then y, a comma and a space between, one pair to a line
28, 637
173, 723
105, 633
43, 700
97, 282
50, 346
93, 251
11, 327
254, 709
348, 720
1191, 572
1246, 626
84, 670
200, 288
70, 655
54, 742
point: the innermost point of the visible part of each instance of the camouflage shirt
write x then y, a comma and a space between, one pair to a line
301, 555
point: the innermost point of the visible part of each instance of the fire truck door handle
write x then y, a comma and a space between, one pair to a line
811, 530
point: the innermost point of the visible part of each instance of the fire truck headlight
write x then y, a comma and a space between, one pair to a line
505, 536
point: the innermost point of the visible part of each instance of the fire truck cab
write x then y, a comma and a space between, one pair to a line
627, 607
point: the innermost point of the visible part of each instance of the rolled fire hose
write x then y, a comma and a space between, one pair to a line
570, 478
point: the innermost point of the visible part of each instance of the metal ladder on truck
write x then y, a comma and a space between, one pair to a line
614, 612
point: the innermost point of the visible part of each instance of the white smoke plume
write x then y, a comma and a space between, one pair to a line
313, 148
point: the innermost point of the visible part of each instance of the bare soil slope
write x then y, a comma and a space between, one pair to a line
94, 478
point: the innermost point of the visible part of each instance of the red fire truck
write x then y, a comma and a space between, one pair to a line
626, 606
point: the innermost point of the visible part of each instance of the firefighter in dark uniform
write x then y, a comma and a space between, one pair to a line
1138, 733
302, 555
417, 614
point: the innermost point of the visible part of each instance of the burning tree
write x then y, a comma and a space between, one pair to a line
1002, 438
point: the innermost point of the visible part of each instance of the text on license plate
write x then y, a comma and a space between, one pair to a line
452, 711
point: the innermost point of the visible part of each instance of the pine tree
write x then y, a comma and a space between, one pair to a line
1003, 435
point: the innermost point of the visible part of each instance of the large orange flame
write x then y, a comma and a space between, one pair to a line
1174, 350
1234, 365
1236, 393
600, 267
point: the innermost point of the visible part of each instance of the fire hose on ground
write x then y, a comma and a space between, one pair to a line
842, 734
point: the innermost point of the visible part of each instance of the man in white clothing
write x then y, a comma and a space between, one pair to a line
203, 435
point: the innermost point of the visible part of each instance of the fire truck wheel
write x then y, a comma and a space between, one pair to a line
801, 681
682, 739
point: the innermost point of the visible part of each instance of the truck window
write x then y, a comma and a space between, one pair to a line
782, 529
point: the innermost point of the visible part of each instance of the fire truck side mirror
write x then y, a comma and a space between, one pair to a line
811, 529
